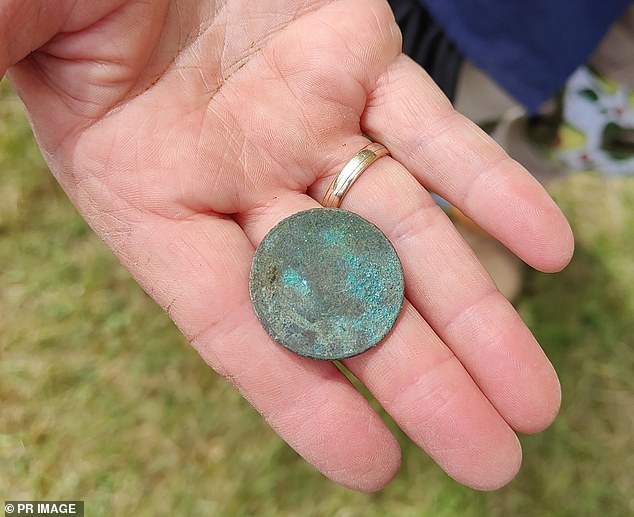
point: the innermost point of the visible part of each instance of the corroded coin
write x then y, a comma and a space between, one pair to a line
325, 283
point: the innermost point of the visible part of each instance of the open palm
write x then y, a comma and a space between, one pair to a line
185, 130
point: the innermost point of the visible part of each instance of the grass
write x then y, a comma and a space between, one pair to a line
102, 400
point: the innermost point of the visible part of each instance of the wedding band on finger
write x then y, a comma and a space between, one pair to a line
351, 172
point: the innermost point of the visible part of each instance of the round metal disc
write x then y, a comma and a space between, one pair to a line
325, 283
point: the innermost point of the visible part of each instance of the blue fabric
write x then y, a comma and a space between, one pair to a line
529, 47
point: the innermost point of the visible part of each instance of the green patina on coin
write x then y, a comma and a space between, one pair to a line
326, 283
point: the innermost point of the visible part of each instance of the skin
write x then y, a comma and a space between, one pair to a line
184, 130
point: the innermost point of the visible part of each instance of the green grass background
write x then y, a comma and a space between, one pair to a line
101, 399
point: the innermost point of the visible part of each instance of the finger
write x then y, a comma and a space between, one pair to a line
418, 380
427, 391
197, 270
456, 296
451, 156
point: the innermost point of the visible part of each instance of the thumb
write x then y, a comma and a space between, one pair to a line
78, 59
26, 25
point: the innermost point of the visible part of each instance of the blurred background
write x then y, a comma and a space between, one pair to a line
102, 399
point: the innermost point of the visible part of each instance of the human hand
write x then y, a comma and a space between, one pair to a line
183, 131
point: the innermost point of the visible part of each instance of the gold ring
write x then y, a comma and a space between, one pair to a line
351, 172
